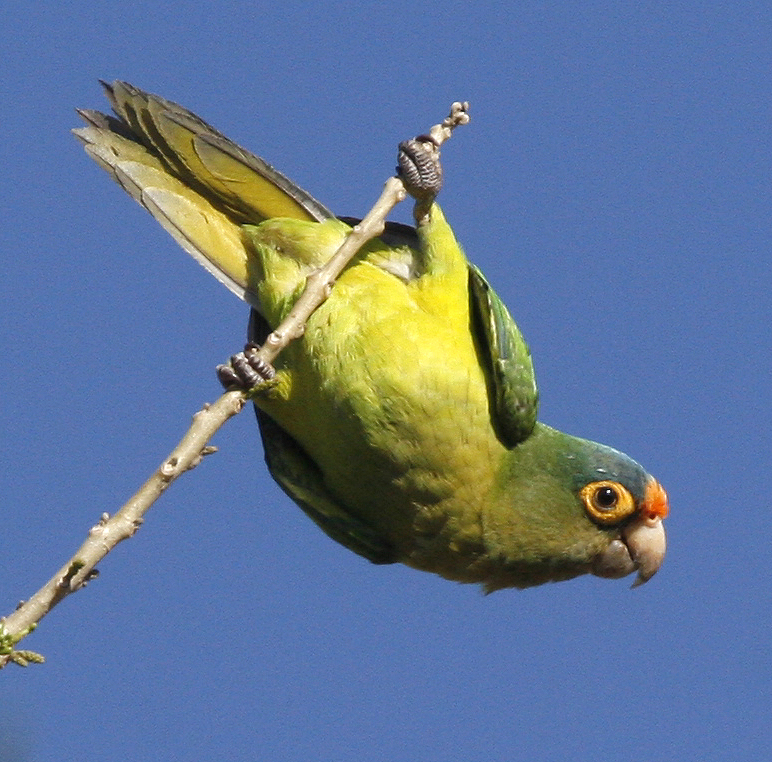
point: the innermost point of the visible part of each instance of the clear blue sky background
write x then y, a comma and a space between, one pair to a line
614, 185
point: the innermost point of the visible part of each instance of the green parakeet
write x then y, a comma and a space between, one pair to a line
403, 422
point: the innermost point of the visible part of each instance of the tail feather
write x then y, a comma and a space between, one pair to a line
202, 157
198, 184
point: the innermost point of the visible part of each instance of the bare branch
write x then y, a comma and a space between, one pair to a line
109, 531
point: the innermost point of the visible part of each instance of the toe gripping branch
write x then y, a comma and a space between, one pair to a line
419, 167
246, 370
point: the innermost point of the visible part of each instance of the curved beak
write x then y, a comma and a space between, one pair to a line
642, 545
645, 537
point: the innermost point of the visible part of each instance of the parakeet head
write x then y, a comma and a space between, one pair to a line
618, 496
586, 507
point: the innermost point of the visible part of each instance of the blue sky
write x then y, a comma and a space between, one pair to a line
614, 185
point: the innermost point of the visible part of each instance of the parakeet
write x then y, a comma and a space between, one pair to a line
403, 422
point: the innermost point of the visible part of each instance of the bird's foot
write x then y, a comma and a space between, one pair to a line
246, 371
419, 166
420, 170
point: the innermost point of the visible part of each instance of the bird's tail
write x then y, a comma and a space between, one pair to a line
199, 185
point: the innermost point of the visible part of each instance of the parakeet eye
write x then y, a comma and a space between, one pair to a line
606, 498
607, 502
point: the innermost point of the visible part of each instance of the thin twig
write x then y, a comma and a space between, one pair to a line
109, 531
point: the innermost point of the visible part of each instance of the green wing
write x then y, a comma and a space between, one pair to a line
294, 471
510, 370
299, 476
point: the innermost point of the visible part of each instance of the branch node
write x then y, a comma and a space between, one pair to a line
169, 468
65, 582
98, 528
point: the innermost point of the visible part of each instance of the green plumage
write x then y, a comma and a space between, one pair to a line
403, 422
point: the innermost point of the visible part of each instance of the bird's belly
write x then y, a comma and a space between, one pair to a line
393, 409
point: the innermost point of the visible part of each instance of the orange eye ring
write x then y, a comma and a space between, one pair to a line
607, 502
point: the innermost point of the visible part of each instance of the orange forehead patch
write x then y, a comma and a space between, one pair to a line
655, 505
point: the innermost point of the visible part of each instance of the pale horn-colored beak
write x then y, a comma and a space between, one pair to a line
643, 543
